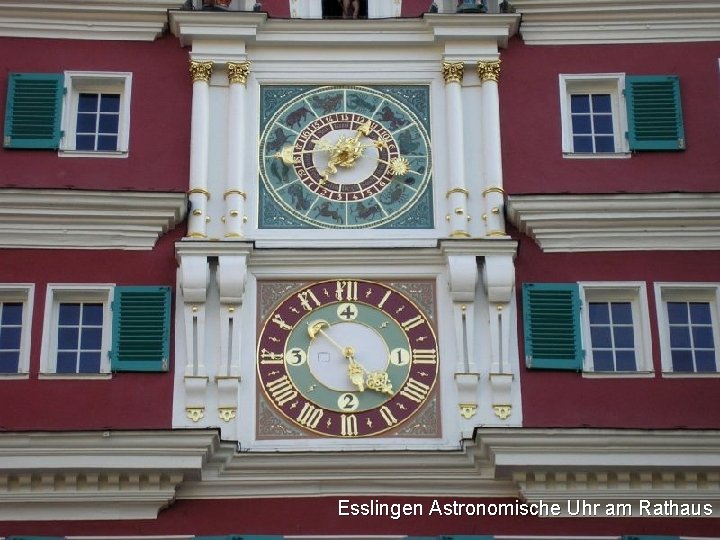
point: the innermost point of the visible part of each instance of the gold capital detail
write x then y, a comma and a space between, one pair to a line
453, 72
489, 71
237, 72
201, 71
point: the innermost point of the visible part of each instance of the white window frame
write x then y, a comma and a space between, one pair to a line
24, 293
605, 83
636, 294
61, 293
77, 82
686, 292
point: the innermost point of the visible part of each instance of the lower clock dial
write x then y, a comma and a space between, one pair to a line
347, 358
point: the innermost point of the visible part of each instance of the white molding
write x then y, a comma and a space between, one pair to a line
96, 475
619, 222
191, 26
132, 475
74, 219
555, 22
139, 20
25, 294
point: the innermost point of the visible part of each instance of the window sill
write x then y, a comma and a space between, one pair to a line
618, 374
75, 376
690, 375
598, 155
89, 154
13, 376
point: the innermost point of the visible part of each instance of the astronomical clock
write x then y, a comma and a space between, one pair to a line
347, 358
345, 157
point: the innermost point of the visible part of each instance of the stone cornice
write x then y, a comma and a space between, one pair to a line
131, 475
619, 222
140, 20
552, 22
97, 475
257, 28
75, 219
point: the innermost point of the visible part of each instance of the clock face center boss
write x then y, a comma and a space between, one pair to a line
345, 157
347, 358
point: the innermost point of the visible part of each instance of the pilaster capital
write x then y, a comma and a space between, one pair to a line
200, 70
453, 72
489, 71
237, 72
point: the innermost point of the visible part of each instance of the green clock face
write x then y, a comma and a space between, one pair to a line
345, 157
347, 358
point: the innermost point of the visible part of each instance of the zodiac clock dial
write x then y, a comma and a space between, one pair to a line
345, 157
347, 358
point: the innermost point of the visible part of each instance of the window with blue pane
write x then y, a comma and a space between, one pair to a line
79, 337
692, 342
98, 122
612, 336
10, 336
592, 123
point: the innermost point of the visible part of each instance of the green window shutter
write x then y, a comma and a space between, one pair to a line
33, 112
655, 119
551, 317
141, 329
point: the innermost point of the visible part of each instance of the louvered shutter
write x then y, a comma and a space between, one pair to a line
33, 111
551, 317
655, 119
141, 329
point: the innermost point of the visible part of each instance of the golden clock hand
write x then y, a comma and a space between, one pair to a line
287, 154
379, 381
316, 328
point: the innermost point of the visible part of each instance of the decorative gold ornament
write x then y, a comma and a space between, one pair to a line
467, 410
227, 413
503, 412
197, 235
201, 71
489, 71
460, 190
234, 235
237, 72
201, 191
493, 189
459, 234
496, 233
237, 191
195, 413
453, 72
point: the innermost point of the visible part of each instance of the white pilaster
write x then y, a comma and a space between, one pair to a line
231, 277
235, 193
499, 281
457, 194
493, 193
194, 278
199, 137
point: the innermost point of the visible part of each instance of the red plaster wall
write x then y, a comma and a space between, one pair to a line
566, 399
415, 8
319, 516
530, 119
128, 400
159, 119
276, 8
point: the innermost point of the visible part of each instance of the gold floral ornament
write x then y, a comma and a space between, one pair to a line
201, 71
453, 72
237, 72
489, 71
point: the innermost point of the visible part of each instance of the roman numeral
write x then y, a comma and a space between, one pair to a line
349, 426
281, 390
384, 299
414, 322
415, 390
306, 297
282, 324
387, 415
310, 416
346, 290
424, 356
267, 357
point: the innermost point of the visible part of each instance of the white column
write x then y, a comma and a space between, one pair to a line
457, 194
493, 193
235, 193
199, 136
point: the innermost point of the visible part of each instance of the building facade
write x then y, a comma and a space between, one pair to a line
302, 269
